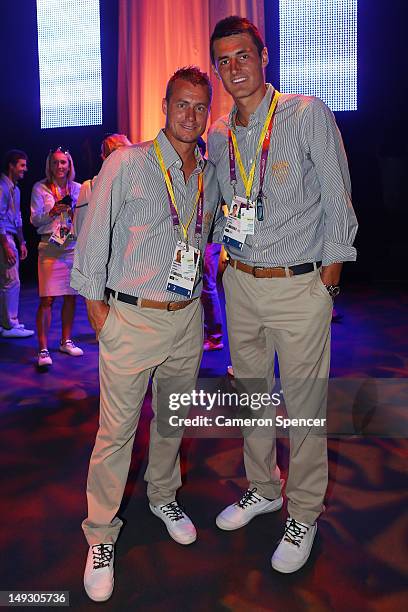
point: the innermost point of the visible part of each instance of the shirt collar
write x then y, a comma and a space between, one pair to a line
8, 181
170, 155
261, 112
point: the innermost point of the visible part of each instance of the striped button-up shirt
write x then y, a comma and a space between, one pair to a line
308, 215
127, 241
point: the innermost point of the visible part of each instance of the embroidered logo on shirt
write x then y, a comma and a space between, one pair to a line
280, 171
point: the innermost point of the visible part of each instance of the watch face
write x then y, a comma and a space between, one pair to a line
333, 290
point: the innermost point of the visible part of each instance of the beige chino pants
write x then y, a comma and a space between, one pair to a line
134, 344
290, 316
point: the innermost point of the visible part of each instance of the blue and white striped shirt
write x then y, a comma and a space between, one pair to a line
308, 215
127, 241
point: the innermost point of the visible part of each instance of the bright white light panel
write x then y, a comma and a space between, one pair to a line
70, 62
318, 50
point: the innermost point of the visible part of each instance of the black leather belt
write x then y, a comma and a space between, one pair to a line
278, 272
144, 303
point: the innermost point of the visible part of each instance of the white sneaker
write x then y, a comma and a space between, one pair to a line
44, 358
98, 576
295, 546
239, 514
69, 347
17, 332
179, 526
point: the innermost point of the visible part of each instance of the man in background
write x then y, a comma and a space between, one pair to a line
11, 230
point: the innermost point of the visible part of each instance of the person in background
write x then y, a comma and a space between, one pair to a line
53, 202
110, 143
213, 333
209, 295
11, 229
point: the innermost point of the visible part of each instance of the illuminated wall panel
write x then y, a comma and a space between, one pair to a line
318, 50
70, 62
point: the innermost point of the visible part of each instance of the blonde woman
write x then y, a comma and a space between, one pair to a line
53, 201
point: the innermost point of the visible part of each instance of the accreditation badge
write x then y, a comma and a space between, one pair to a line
183, 270
60, 234
248, 219
233, 234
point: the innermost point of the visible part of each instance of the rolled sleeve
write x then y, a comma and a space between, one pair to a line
92, 252
329, 157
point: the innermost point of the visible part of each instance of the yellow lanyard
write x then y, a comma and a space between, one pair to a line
248, 180
171, 191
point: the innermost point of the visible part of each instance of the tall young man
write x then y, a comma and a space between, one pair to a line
142, 241
11, 230
280, 160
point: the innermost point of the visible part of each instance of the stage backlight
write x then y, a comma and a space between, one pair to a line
69, 53
318, 50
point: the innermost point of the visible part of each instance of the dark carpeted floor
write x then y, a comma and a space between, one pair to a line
49, 421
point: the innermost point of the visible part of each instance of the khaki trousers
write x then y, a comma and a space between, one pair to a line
290, 316
9, 288
134, 345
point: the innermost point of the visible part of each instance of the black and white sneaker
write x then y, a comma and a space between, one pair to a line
250, 505
178, 524
98, 577
295, 546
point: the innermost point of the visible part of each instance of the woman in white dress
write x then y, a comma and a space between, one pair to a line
53, 201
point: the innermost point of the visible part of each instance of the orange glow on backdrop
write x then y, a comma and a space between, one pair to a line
156, 37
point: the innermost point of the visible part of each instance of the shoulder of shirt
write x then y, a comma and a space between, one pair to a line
87, 184
300, 102
219, 127
40, 185
131, 153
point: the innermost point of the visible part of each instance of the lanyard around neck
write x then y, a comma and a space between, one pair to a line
263, 142
198, 203
57, 192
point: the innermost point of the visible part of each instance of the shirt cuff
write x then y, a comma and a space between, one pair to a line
91, 288
336, 253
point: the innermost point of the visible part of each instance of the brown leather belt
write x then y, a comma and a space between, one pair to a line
278, 272
144, 303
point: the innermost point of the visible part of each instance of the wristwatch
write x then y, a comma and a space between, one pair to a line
333, 290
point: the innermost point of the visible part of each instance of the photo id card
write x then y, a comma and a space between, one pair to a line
233, 234
183, 270
60, 235
248, 219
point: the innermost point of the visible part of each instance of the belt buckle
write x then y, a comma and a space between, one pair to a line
254, 270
